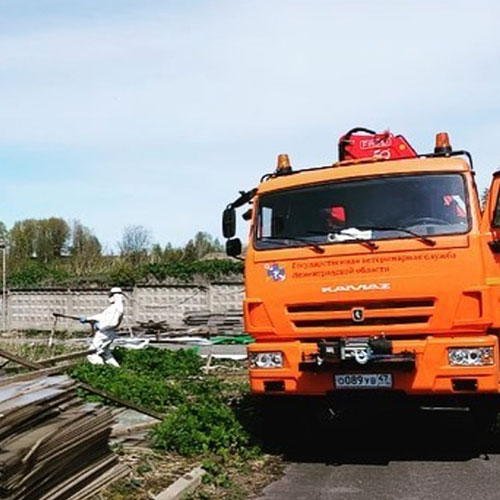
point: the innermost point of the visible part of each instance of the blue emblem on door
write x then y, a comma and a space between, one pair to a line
275, 272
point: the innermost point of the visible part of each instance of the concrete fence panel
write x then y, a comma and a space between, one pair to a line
32, 309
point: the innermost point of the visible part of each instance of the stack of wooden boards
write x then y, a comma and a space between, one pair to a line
156, 328
201, 324
53, 446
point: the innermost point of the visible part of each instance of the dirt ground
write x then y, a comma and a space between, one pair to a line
151, 472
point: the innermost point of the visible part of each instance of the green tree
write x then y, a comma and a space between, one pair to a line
156, 256
23, 240
172, 254
85, 249
83, 241
44, 239
201, 245
52, 239
135, 244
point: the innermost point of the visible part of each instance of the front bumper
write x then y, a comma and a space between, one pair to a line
427, 370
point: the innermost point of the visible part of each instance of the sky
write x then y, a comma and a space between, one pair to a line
156, 113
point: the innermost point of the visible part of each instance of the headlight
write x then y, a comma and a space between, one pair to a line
470, 356
266, 359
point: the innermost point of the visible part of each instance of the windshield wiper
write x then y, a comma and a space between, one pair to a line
421, 237
316, 247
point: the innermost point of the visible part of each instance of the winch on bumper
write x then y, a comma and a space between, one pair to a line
416, 366
355, 352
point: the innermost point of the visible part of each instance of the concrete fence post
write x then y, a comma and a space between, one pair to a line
9, 311
70, 301
135, 304
210, 297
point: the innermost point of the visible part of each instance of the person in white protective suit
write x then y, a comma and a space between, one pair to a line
106, 324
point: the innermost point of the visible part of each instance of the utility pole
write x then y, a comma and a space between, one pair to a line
4, 286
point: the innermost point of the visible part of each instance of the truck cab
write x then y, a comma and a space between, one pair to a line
377, 274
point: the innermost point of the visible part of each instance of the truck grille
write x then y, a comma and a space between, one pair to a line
376, 313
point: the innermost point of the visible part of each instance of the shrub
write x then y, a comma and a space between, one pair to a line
33, 274
160, 363
210, 269
139, 388
210, 425
125, 275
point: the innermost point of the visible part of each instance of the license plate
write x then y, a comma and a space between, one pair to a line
363, 381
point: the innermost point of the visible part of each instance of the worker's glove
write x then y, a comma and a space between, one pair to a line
83, 319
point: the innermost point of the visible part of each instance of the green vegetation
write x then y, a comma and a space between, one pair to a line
209, 426
52, 252
143, 377
120, 273
201, 411
137, 388
160, 363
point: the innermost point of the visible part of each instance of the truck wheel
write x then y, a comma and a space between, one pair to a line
485, 418
485, 421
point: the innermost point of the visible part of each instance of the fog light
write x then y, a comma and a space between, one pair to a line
470, 356
266, 359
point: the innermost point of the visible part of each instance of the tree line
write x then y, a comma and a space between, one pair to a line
55, 252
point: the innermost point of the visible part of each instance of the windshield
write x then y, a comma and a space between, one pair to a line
369, 209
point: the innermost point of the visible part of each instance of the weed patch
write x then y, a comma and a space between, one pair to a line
137, 388
160, 363
149, 377
208, 426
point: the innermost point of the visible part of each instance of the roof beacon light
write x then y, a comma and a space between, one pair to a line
443, 146
284, 166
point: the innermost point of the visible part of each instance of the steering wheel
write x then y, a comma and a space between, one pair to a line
427, 220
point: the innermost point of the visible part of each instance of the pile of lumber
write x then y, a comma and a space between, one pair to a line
228, 322
144, 328
200, 324
53, 446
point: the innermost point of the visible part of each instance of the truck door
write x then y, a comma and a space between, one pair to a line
491, 216
490, 238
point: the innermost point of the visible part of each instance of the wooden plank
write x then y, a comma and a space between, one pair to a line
34, 374
120, 430
17, 359
121, 402
64, 357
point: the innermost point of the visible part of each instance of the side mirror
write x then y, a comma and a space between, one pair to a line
229, 222
233, 247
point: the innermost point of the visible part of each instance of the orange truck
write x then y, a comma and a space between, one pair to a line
376, 276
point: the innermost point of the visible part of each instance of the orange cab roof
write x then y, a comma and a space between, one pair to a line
341, 172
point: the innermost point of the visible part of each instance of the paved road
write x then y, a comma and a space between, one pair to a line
474, 479
423, 457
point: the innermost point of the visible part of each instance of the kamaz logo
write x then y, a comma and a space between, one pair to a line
356, 288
